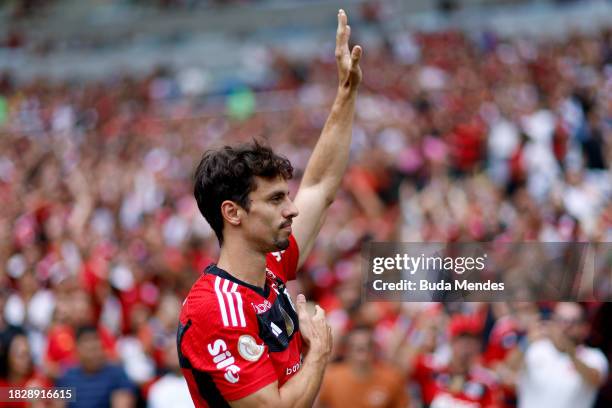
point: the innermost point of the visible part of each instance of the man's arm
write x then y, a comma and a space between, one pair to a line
302, 388
516, 358
590, 375
323, 174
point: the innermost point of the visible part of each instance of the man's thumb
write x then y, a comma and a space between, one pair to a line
301, 303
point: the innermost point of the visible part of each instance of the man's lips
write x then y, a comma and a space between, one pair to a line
286, 225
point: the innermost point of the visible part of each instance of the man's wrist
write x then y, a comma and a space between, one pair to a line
316, 357
345, 93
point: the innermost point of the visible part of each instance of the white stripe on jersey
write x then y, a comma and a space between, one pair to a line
230, 301
221, 302
223, 288
275, 329
239, 306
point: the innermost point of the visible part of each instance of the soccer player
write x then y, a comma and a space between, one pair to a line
241, 341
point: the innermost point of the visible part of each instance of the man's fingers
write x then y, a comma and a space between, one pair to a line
347, 60
342, 35
342, 19
341, 26
319, 313
301, 304
355, 56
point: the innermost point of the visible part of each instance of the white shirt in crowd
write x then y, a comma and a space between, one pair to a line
169, 391
549, 378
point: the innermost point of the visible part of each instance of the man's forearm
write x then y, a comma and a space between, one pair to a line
590, 375
301, 390
331, 153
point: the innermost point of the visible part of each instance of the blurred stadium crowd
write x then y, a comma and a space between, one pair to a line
456, 138
26, 8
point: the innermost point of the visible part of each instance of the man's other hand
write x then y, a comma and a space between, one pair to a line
315, 330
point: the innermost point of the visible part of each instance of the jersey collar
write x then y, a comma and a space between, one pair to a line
213, 269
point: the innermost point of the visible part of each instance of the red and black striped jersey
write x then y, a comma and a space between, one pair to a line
234, 338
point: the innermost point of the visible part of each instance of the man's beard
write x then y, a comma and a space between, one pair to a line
281, 244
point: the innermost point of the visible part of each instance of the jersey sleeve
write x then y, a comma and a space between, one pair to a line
222, 361
284, 263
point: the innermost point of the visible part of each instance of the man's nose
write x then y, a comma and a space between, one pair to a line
291, 211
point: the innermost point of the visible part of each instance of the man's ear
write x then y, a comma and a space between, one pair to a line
231, 212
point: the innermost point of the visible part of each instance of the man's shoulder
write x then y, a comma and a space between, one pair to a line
284, 263
205, 281
72, 373
215, 303
593, 357
591, 351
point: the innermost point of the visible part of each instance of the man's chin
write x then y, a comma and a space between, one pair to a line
281, 244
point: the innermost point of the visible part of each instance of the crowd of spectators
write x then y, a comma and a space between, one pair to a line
25, 8
456, 138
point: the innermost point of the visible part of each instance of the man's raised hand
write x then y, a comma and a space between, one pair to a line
349, 72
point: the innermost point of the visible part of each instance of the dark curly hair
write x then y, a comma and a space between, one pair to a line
229, 174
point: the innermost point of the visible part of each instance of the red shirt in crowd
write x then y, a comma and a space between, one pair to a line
440, 389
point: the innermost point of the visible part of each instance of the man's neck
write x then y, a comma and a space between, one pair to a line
92, 369
244, 263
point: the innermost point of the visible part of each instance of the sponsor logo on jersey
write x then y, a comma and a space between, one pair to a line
249, 349
272, 279
278, 255
224, 360
275, 329
294, 369
262, 307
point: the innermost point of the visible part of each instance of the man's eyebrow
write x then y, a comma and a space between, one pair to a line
277, 193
